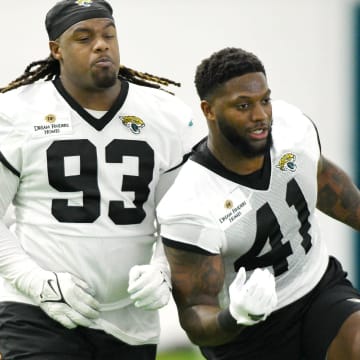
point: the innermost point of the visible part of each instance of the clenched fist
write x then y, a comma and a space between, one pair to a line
253, 300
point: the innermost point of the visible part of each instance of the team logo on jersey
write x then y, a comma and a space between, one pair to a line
287, 162
134, 123
84, 2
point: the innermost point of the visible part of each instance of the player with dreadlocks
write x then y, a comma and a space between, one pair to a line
85, 156
49, 68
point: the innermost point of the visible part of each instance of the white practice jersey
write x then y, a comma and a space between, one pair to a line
266, 219
86, 187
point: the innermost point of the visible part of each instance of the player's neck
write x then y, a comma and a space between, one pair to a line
236, 162
94, 99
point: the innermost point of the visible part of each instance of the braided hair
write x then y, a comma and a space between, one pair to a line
49, 69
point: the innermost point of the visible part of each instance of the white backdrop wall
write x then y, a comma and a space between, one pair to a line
306, 47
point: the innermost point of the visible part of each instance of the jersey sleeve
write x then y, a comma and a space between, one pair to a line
190, 134
9, 183
12, 138
288, 119
12, 135
185, 134
184, 219
182, 125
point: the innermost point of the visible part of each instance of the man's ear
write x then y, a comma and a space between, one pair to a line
208, 110
55, 49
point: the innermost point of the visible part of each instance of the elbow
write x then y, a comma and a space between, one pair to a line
195, 332
201, 335
198, 339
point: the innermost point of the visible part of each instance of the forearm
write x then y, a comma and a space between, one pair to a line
209, 325
338, 196
15, 265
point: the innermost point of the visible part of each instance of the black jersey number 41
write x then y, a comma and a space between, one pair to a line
268, 228
86, 180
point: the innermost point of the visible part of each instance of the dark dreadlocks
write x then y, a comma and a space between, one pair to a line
49, 68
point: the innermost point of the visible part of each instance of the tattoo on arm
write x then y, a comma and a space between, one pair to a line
338, 196
197, 280
195, 277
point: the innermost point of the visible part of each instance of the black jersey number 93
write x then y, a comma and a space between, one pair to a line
87, 180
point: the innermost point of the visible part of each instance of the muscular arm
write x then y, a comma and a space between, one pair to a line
197, 280
338, 196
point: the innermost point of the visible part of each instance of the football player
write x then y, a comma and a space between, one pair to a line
85, 155
244, 205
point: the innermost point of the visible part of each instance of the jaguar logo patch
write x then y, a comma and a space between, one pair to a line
134, 123
287, 162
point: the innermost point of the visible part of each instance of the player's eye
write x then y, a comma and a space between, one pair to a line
109, 36
82, 38
266, 101
242, 106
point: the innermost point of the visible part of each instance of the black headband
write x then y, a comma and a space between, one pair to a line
66, 13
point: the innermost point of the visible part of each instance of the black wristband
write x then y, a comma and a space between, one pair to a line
227, 322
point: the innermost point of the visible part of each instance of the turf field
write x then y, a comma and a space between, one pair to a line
183, 354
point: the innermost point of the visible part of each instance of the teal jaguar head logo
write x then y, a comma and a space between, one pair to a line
134, 123
287, 162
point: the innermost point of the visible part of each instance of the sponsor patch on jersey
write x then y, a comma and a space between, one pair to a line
134, 123
287, 162
232, 208
52, 125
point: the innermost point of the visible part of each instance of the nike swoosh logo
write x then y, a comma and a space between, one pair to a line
50, 291
50, 283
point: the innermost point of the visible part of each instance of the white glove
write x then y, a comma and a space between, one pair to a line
65, 298
149, 287
62, 296
252, 301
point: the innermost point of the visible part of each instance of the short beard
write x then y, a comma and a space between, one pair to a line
242, 145
105, 82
